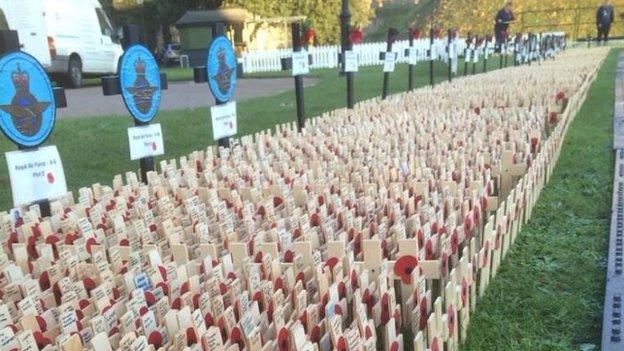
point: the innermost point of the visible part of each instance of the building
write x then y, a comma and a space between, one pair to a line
246, 31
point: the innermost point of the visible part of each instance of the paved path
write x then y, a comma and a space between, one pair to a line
180, 95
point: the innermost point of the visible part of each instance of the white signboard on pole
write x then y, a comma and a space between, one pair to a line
351, 61
36, 175
412, 55
300, 63
145, 141
389, 61
224, 120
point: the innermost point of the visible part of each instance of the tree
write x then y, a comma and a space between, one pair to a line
322, 14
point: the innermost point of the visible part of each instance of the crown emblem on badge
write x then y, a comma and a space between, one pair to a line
25, 110
142, 91
139, 66
224, 73
20, 79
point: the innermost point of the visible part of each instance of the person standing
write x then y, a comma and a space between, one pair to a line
503, 19
604, 18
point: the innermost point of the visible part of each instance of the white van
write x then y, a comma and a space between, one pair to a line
71, 38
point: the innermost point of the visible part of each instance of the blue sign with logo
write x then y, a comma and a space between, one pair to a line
27, 107
221, 69
139, 79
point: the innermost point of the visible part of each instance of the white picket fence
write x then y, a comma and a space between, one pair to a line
368, 53
327, 56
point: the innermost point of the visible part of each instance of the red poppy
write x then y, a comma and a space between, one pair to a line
308, 36
454, 242
404, 266
331, 263
355, 35
423, 313
451, 319
464, 292
486, 246
429, 249
553, 117
443, 264
435, 344
155, 339
282, 340
394, 346
560, 96
414, 33
341, 345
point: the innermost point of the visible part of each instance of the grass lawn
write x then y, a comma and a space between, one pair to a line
549, 292
95, 149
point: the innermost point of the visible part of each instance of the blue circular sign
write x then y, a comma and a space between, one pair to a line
221, 69
27, 107
139, 79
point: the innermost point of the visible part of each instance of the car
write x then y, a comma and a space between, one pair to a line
171, 55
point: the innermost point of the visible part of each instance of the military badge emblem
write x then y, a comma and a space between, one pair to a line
27, 106
140, 83
221, 69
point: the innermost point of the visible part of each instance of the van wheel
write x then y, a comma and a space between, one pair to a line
73, 79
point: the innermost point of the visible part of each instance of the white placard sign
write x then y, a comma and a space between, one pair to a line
36, 175
145, 141
351, 61
223, 120
413, 55
389, 62
475, 56
300, 63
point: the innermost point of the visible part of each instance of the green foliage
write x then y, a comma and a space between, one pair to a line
324, 14
576, 17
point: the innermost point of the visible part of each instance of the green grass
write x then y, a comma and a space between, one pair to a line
548, 294
95, 149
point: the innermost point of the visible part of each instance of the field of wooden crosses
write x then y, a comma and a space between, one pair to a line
377, 228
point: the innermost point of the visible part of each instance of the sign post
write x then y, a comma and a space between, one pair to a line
221, 74
475, 54
450, 53
346, 50
414, 34
140, 83
389, 58
467, 53
300, 67
27, 115
431, 35
486, 52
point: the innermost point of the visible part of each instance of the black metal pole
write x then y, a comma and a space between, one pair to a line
466, 59
506, 52
475, 52
218, 30
502, 53
485, 55
296, 41
410, 67
345, 19
386, 76
431, 80
450, 61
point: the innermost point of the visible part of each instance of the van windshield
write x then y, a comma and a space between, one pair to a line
105, 26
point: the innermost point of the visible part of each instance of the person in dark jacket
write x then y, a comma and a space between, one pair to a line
604, 18
503, 19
